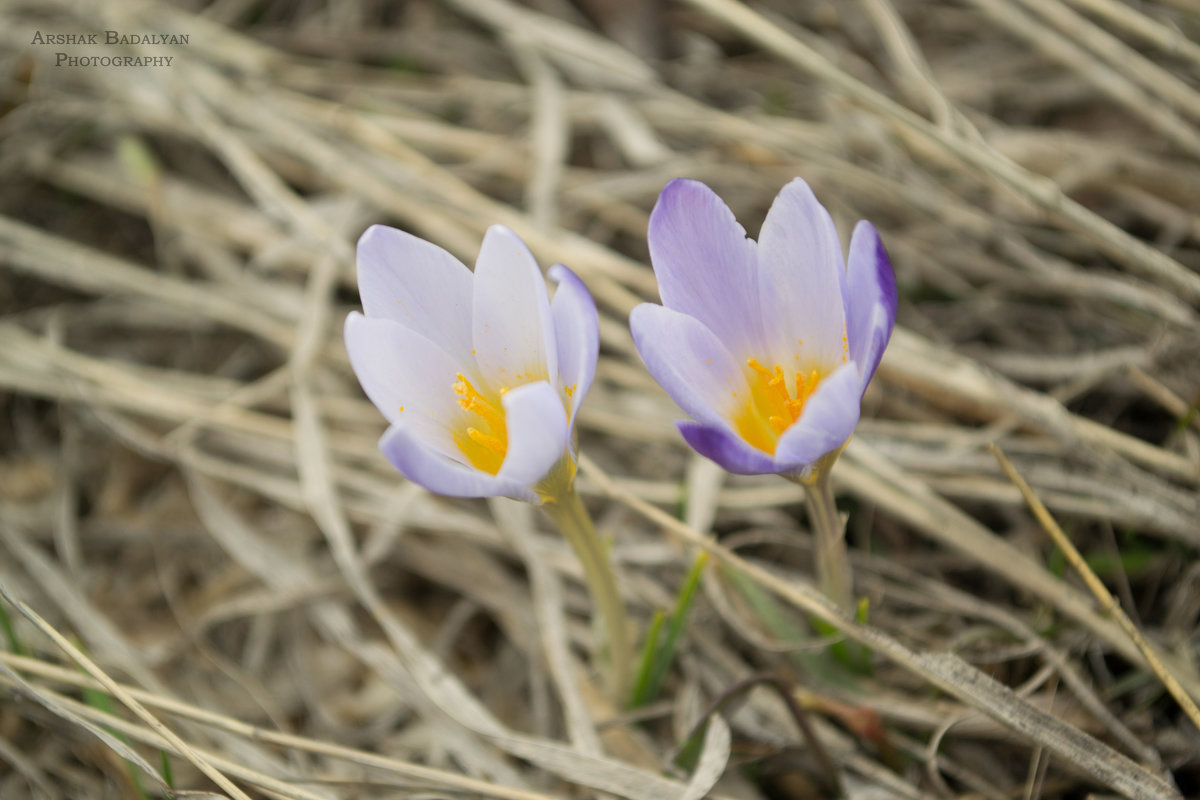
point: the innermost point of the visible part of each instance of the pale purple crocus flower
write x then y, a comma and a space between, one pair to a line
768, 346
479, 374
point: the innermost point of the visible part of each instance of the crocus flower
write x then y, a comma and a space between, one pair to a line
768, 346
479, 374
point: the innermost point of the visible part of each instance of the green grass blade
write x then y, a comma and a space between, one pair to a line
657, 657
10, 632
641, 686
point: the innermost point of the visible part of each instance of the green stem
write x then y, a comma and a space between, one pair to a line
572, 518
830, 556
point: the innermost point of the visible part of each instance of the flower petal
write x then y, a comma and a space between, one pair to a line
729, 450
801, 276
513, 333
826, 423
704, 263
408, 452
576, 327
870, 299
417, 284
689, 362
537, 432
407, 376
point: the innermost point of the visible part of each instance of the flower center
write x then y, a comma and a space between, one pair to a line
771, 407
483, 438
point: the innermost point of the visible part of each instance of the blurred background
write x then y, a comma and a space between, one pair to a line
191, 494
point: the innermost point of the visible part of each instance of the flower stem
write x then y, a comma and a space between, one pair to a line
568, 512
832, 561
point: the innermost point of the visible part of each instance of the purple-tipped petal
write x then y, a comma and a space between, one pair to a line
689, 362
801, 276
513, 333
408, 453
704, 263
576, 327
826, 423
794, 312
407, 376
870, 299
417, 284
729, 450
537, 432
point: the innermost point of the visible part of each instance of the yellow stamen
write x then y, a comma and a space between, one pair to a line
483, 439
490, 442
771, 410
778, 385
470, 399
765, 373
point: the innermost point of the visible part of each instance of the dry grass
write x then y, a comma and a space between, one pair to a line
194, 518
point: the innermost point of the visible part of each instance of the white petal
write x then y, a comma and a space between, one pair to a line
537, 432
417, 284
705, 265
513, 334
828, 419
801, 280
576, 328
406, 376
689, 362
421, 464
